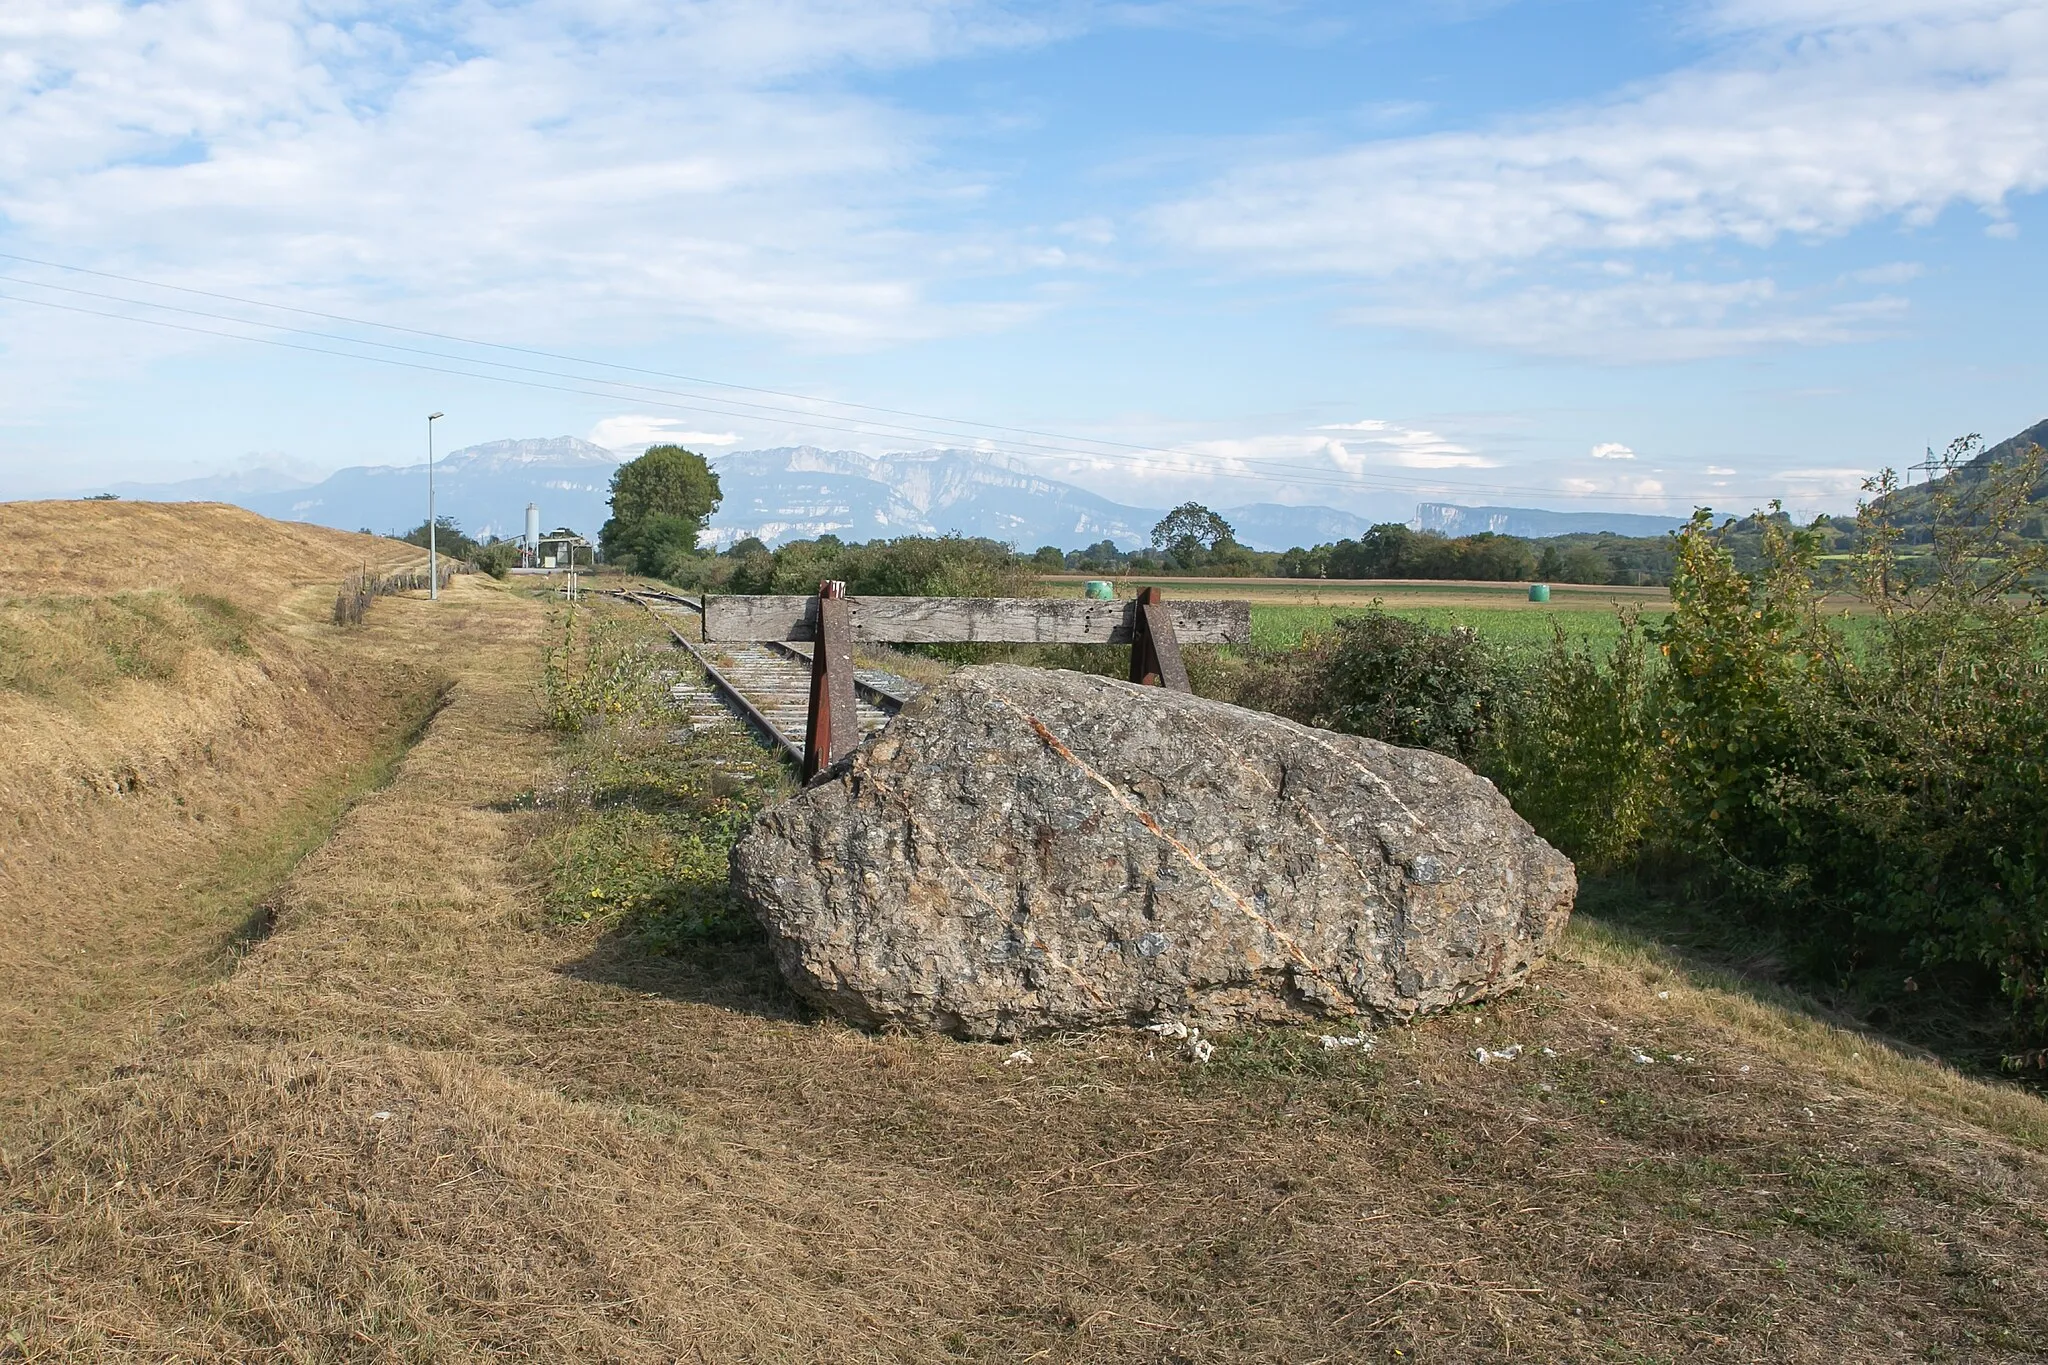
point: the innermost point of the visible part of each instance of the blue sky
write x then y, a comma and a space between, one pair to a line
1556, 252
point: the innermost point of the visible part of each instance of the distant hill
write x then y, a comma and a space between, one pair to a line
233, 487
1534, 523
796, 492
1276, 526
1910, 505
484, 487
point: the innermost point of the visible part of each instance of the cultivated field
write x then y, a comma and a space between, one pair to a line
423, 1107
1283, 609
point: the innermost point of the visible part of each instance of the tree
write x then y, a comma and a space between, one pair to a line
1103, 554
1049, 559
448, 538
1300, 563
1189, 532
659, 505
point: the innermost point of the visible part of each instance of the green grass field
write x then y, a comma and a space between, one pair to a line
1527, 627
1285, 609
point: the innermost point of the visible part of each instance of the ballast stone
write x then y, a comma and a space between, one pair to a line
1026, 850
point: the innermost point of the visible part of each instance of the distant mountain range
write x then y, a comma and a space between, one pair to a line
484, 487
797, 492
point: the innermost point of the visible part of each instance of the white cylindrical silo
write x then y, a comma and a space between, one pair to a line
532, 526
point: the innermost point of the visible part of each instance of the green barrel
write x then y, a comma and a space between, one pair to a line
1539, 592
1100, 591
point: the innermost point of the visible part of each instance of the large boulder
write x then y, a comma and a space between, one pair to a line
1025, 850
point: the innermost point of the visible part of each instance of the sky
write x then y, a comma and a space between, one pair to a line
1633, 256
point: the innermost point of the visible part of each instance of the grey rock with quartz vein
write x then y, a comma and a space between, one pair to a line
1025, 850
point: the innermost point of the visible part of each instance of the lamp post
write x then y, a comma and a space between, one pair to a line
433, 557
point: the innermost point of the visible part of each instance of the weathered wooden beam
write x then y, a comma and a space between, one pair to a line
959, 620
834, 729
1155, 648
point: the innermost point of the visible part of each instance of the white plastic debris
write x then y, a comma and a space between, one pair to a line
1663, 995
1357, 1040
380, 1116
1640, 1058
1506, 1054
1550, 1052
1021, 1057
1193, 1046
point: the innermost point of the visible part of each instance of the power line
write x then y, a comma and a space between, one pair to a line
580, 360
750, 411
711, 405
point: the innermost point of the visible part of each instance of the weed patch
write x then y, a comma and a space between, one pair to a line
637, 832
640, 815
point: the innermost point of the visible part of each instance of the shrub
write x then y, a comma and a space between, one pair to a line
1574, 747
496, 558
598, 670
1874, 791
1391, 679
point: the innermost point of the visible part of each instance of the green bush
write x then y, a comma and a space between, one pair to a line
1876, 797
599, 669
496, 558
1574, 747
1396, 680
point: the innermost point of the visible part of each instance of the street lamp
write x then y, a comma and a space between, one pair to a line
433, 557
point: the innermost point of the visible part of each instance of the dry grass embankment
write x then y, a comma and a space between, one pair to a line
421, 1122
177, 724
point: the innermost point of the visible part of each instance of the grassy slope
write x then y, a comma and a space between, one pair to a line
177, 725
417, 1123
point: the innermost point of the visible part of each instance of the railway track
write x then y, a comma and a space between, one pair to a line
764, 687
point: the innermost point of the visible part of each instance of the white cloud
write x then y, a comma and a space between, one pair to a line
1375, 442
1805, 131
1375, 467
636, 432
1818, 118
1716, 471
580, 167
1612, 450
1897, 272
1619, 486
1818, 485
1653, 318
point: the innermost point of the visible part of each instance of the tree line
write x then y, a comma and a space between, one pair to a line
1193, 540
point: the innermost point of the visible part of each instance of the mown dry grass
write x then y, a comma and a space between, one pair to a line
176, 726
423, 1120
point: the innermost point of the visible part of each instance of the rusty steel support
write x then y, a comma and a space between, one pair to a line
834, 729
1155, 649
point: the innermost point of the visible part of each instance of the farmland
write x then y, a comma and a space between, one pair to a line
440, 1101
1284, 609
